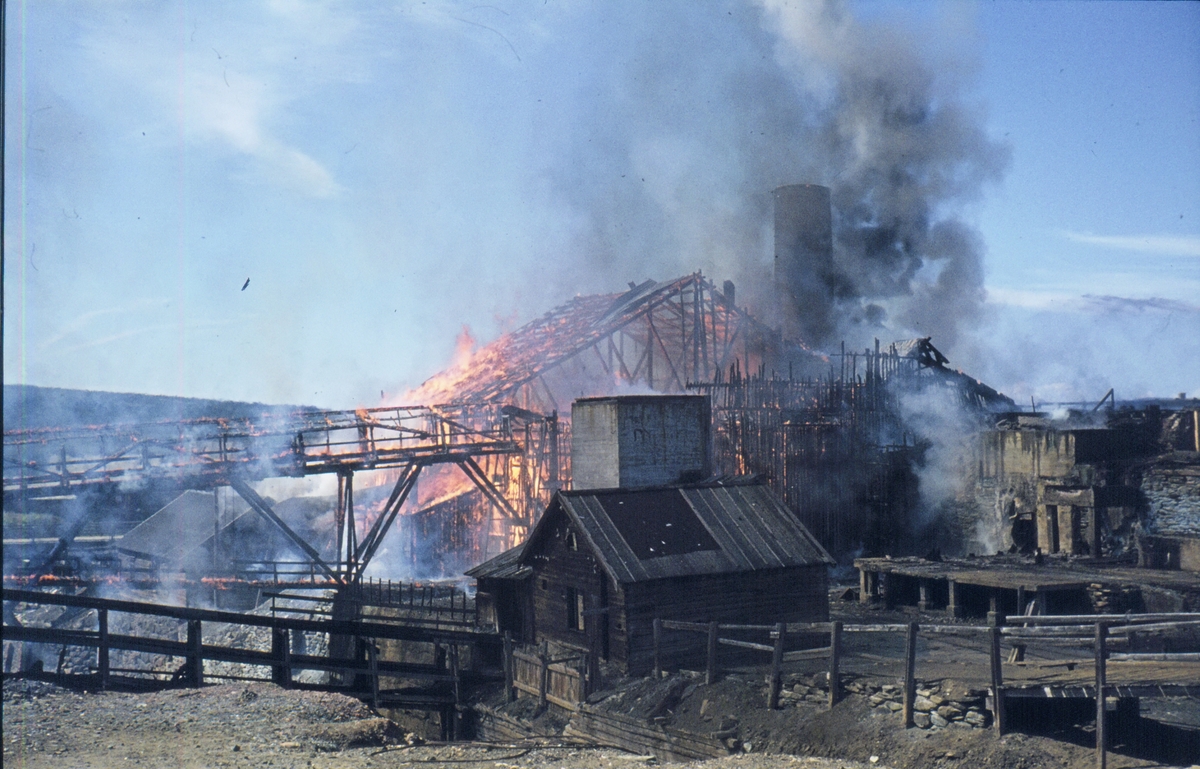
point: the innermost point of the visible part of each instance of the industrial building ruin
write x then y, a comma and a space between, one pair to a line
653, 481
842, 438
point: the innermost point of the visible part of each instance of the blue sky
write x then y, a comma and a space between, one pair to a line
386, 174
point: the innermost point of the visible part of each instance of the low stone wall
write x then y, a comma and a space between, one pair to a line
937, 706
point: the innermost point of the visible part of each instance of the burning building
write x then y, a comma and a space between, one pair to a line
845, 439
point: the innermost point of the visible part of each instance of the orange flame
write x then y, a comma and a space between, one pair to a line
440, 388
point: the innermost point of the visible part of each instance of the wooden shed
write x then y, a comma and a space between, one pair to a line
601, 565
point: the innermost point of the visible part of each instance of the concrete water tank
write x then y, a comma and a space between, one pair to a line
633, 441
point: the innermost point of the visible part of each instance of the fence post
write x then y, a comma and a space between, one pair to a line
102, 650
910, 674
544, 678
835, 661
509, 694
1101, 676
997, 678
583, 666
281, 651
776, 667
455, 731
373, 662
593, 672
657, 644
710, 673
195, 654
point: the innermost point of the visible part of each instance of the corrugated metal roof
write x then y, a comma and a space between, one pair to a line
507, 565
750, 526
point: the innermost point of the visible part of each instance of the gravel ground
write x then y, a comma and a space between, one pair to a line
261, 725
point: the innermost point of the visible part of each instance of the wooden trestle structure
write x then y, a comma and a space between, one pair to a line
209, 453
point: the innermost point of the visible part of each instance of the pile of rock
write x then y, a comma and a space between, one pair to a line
1114, 599
797, 688
936, 705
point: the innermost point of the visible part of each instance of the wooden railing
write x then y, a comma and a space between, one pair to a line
439, 605
1078, 630
362, 671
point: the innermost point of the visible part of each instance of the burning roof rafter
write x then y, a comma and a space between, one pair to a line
658, 335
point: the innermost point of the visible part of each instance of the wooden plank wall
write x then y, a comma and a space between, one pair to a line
558, 569
664, 742
798, 594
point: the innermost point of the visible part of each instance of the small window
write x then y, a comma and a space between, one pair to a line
574, 609
572, 542
543, 584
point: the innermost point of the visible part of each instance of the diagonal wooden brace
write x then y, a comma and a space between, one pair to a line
261, 507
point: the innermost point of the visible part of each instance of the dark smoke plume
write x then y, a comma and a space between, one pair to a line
703, 109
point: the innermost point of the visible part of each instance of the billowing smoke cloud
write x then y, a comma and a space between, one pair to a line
704, 110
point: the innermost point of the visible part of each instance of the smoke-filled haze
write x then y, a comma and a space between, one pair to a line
1019, 181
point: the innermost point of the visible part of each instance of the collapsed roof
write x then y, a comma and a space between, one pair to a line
661, 335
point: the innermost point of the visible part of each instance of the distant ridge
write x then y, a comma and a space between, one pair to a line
30, 406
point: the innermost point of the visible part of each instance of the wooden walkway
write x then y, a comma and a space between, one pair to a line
976, 585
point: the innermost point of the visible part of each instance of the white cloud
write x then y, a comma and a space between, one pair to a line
1066, 302
1033, 299
229, 89
1165, 245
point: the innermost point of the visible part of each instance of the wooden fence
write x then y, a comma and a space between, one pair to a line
564, 680
362, 672
435, 604
1075, 630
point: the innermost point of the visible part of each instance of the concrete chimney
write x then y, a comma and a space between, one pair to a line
804, 261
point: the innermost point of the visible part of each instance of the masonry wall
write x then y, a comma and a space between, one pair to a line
1173, 493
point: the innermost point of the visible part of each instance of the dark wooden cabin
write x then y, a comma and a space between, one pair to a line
600, 565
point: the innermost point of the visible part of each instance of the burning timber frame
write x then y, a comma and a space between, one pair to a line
207, 453
660, 335
833, 447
